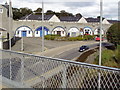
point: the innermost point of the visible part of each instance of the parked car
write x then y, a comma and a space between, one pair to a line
83, 48
98, 39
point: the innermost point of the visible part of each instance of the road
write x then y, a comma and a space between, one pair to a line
72, 53
33, 66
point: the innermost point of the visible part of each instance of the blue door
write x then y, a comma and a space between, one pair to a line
40, 33
24, 33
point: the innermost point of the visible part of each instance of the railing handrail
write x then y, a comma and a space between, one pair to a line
63, 60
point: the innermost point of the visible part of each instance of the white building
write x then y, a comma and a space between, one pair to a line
24, 31
59, 31
73, 32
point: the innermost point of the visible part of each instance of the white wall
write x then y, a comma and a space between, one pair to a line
96, 32
105, 21
38, 35
1, 43
63, 33
54, 18
24, 29
82, 20
74, 30
27, 34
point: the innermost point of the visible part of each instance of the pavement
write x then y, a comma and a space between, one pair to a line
33, 45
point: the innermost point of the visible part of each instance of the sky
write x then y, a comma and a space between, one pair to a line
88, 8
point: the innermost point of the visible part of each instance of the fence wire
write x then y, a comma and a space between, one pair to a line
43, 72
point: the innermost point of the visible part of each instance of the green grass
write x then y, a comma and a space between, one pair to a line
108, 59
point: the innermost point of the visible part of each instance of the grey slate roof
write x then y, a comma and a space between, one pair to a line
70, 18
6, 6
36, 17
98, 20
93, 20
47, 17
113, 21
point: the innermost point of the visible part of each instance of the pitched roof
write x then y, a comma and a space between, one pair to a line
6, 6
36, 17
93, 19
70, 18
113, 21
98, 20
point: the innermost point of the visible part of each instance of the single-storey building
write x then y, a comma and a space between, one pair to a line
24, 31
73, 32
59, 31
38, 32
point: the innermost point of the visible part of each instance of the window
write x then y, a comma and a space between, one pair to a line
36, 32
63, 32
1, 10
18, 32
29, 32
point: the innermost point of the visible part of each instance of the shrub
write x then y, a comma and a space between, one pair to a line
108, 59
113, 34
117, 54
51, 37
75, 38
79, 38
61, 38
88, 37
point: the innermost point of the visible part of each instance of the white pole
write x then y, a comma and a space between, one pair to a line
42, 26
10, 38
101, 14
22, 47
100, 48
10, 25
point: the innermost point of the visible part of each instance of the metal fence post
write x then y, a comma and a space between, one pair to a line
64, 81
99, 79
22, 44
43, 78
22, 70
10, 67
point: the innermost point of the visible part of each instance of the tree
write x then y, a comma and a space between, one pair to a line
25, 11
64, 13
49, 12
38, 11
99, 17
113, 34
18, 13
78, 15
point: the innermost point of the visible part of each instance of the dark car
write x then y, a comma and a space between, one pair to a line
83, 48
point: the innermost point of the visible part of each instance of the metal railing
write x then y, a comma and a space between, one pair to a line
43, 72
